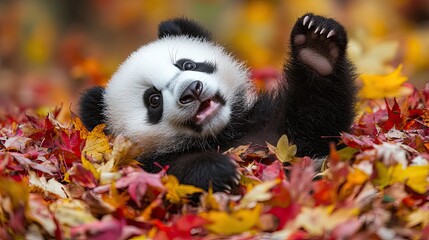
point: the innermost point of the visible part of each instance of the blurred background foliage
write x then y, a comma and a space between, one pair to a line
50, 51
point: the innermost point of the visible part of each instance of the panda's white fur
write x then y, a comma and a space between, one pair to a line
152, 65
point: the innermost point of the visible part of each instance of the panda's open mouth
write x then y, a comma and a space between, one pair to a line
207, 109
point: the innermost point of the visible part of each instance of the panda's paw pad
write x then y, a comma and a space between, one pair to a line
319, 42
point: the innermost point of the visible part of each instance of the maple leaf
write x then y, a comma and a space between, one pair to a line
208, 201
359, 142
324, 192
382, 86
317, 220
300, 184
18, 192
45, 167
90, 167
17, 143
97, 144
235, 222
395, 118
114, 198
392, 153
356, 177
124, 152
50, 187
184, 227
258, 193
40, 213
273, 171
137, 183
109, 228
70, 141
177, 193
153, 207
82, 176
71, 212
238, 150
346, 230
372, 55
285, 214
413, 176
284, 152
78, 125
419, 216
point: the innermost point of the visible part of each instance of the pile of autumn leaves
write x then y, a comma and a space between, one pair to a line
64, 182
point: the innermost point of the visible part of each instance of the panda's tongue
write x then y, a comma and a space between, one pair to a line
206, 110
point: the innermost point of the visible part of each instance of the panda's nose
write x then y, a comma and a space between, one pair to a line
191, 93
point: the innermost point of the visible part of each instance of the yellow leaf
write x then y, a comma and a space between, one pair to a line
124, 152
209, 201
259, 193
97, 144
16, 191
283, 151
147, 212
89, 166
234, 223
384, 86
249, 181
371, 55
78, 125
66, 177
416, 177
419, 216
142, 237
177, 193
317, 220
114, 198
71, 212
383, 178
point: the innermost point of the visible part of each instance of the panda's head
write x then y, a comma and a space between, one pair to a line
181, 86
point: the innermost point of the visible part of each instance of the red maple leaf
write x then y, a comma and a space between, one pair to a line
138, 182
185, 227
395, 118
82, 176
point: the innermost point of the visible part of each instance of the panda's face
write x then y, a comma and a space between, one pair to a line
173, 89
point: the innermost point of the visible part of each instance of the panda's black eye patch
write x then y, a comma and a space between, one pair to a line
189, 65
152, 99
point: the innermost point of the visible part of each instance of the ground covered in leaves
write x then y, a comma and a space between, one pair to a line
57, 180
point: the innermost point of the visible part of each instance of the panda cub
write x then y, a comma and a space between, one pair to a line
185, 100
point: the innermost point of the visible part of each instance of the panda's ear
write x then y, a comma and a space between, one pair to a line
91, 107
183, 26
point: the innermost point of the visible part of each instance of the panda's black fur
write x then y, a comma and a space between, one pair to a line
150, 98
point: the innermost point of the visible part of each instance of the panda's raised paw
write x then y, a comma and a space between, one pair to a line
318, 42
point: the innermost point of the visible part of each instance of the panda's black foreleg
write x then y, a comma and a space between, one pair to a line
319, 89
206, 169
